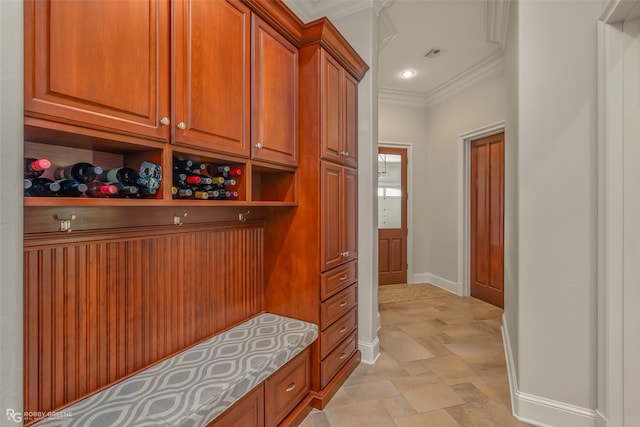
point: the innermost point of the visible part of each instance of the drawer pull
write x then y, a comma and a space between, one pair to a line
342, 330
343, 355
291, 387
343, 277
343, 303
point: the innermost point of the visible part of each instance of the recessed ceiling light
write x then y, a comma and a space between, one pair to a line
408, 74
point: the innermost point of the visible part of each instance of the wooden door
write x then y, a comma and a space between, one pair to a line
487, 219
350, 142
349, 214
331, 216
212, 48
100, 64
275, 96
331, 92
392, 216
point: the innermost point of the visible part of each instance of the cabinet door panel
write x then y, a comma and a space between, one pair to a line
350, 156
350, 214
275, 97
104, 64
212, 75
331, 216
331, 109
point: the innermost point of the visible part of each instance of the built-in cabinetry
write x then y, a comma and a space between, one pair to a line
122, 82
311, 264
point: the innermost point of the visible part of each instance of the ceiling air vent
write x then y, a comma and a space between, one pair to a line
436, 51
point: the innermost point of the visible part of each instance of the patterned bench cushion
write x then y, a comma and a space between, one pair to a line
194, 386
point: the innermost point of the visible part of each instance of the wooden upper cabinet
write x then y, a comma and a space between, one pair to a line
339, 215
274, 135
100, 64
339, 113
212, 48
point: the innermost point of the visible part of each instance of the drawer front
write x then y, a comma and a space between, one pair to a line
336, 306
336, 359
337, 279
286, 388
338, 331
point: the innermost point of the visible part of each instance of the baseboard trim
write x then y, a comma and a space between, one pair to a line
438, 281
537, 410
370, 351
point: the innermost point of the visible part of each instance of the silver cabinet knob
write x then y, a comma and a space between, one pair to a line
259, 144
346, 153
165, 121
182, 126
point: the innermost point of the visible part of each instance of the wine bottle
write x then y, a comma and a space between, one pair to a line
200, 194
146, 191
42, 187
71, 188
83, 172
180, 165
181, 192
125, 175
100, 189
182, 179
230, 182
124, 190
33, 167
27, 184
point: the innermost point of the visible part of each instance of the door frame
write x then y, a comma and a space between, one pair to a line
409, 148
464, 202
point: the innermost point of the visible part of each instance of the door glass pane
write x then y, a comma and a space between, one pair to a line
389, 191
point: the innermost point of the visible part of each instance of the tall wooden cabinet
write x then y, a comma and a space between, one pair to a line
311, 264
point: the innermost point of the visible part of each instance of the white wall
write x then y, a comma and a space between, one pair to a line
555, 130
360, 29
11, 113
433, 133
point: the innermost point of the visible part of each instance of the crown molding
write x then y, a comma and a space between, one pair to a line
309, 10
487, 67
497, 21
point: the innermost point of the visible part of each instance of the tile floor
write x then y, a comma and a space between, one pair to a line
441, 365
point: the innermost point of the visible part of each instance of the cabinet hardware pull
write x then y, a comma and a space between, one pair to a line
346, 153
343, 277
343, 303
182, 126
342, 330
259, 145
291, 387
343, 355
165, 121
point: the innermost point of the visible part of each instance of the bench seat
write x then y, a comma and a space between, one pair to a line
194, 386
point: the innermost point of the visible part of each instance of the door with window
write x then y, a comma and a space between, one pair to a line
392, 215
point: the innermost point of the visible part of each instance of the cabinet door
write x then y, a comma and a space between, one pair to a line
274, 136
331, 216
102, 64
247, 412
212, 75
332, 113
350, 151
350, 214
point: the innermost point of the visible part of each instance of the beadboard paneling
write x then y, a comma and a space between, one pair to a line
101, 306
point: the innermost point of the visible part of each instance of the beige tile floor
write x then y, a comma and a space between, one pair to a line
441, 365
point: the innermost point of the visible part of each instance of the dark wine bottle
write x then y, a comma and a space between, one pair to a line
180, 165
27, 184
33, 167
182, 179
146, 191
181, 192
83, 172
127, 176
230, 182
42, 187
198, 194
124, 190
71, 188
100, 189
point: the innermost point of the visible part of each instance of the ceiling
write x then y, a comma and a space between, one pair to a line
471, 31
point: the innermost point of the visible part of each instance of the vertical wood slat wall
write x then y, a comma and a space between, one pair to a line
100, 308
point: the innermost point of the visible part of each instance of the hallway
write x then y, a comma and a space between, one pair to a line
441, 365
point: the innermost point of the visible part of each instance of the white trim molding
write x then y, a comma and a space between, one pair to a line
438, 281
546, 412
370, 351
497, 21
489, 66
464, 166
